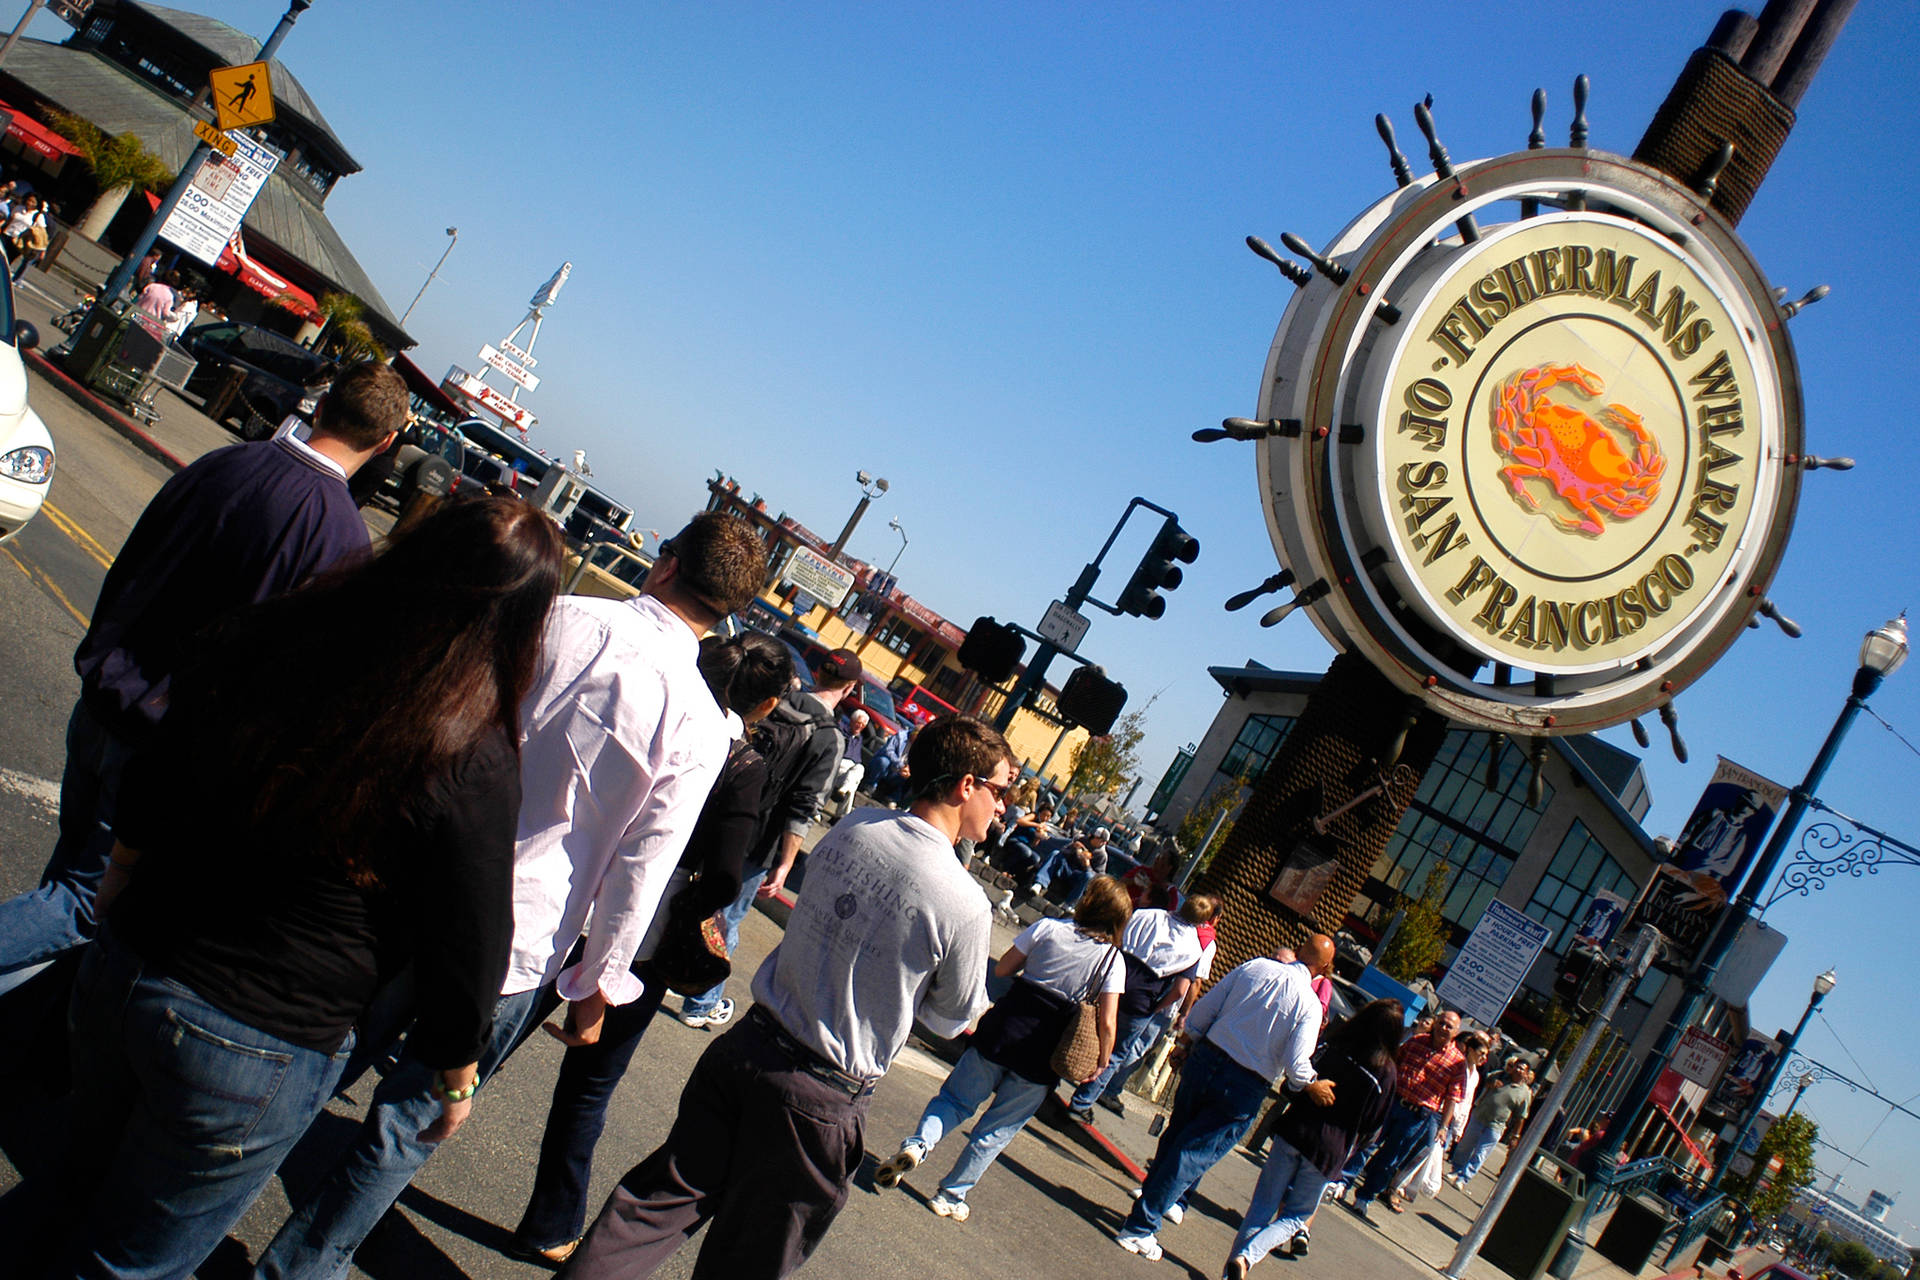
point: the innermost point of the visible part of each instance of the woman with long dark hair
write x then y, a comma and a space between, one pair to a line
333, 794
747, 675
1311, 1142
1060, 964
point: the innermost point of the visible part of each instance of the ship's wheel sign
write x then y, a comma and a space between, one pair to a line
1527, 439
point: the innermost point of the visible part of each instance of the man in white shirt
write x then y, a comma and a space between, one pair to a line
622, 742
889, 929
1258, 1024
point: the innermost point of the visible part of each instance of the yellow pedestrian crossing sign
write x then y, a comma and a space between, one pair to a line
242, 95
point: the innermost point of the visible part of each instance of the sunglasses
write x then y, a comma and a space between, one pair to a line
999, 789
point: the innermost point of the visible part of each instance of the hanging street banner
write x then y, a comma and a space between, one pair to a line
1688, 894
1491, 967
819, 577
1742, 1080
215, 202
1601, 923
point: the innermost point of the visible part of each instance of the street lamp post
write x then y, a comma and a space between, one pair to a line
1881, 654
894, 524
1821, 986
871, 487
453, 238
1806, 1083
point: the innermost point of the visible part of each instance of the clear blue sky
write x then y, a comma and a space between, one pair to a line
993, 253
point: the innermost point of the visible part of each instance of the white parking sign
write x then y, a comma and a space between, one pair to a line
219, 196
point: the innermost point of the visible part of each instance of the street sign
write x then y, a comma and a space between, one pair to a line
523, 358
242, 95
215, 202
818, 576
1700, 1057
214, 138
510, 367
1063, 626
1491, 967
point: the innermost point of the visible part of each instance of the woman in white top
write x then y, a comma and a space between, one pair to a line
25, 232
1059, 965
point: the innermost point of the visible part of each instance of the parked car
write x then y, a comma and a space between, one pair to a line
918, 704
883, 718
425, 440
26, 450
282, 377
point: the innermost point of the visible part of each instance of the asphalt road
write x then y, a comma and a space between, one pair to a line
1048, 1208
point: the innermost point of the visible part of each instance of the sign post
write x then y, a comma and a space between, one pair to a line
828, 583
211, 209
1493, 964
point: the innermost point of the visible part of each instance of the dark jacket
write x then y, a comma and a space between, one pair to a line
1326, 1136
794, 809
717, 849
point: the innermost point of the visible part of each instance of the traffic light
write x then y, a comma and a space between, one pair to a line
992, 651
1159, 569
1091, 701
1582, 976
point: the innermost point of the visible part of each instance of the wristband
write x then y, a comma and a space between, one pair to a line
445, 1094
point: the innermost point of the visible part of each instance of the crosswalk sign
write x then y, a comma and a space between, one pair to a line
242, 95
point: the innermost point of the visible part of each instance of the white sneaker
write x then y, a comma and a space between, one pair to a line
1146, 1246
1173, 1214
720, 1015
949, 1207
897, 1166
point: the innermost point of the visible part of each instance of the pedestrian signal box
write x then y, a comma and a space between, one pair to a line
1091, 701
1159, 570
992, 651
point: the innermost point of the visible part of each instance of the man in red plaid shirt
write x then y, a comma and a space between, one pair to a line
1432, 1072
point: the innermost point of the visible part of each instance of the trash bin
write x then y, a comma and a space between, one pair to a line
1530, 1230
95, 341
1633, 1233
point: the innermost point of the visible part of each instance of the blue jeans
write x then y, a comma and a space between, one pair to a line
557, 1210
972, 1082
1408, 1129
57, 916
736, 911
1475, 1145
1216, 1100
182, 1114
1132, 1038
1283, 1199
320, 1237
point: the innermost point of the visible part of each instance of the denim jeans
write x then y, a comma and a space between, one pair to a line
1216, 1099
557, 1210
182, 1114
736, 911
973, 1081
1475, 1145
57, 915
1283, 1199
318, 1240
1132, 1038
1408, 1130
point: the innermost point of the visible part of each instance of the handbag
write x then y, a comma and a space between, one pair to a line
1077, 1057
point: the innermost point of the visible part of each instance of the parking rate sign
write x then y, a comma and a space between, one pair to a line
1491, 967
217, 199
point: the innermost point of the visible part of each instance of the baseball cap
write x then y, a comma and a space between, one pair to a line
1100, 833
842, 666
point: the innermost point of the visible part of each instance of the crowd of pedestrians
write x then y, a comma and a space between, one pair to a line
324, 808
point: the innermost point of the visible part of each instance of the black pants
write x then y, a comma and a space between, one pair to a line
761, 1145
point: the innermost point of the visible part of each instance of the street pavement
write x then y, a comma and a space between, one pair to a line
1048, 1207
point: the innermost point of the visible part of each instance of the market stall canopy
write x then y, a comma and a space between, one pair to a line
36, 136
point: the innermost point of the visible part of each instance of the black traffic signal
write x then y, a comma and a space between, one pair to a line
1580, 980
1159, 570
1091, 701
992, 651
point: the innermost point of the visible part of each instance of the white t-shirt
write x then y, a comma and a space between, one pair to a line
1162, 941
1064, 960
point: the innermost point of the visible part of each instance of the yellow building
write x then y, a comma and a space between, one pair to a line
900, 640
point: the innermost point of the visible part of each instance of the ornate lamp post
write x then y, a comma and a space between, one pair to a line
1822, 985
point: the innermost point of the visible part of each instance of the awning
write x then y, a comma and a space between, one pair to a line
35, 136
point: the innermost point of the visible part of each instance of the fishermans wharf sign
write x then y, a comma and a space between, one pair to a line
1532, 443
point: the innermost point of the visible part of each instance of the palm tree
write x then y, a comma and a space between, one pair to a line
120, 163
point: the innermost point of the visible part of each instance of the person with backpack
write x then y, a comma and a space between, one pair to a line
747, 674
800, 745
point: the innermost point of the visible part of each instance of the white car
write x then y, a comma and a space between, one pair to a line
26, 450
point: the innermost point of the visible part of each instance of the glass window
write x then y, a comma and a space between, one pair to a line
898, 635
1254, 748
1580, 868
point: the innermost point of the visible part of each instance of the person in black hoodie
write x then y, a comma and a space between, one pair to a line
1312, 1142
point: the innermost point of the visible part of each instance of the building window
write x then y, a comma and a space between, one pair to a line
898, 635
948, 683
1456, 818
1580, 868
1254, 748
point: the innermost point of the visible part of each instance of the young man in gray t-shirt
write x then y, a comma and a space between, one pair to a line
889, 928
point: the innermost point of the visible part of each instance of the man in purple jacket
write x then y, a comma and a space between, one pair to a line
241, 524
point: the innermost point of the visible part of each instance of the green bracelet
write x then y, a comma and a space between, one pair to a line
445, 1094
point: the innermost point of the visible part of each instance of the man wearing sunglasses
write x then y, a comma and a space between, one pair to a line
889, 929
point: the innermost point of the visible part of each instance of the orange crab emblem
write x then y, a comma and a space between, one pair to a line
1577, 455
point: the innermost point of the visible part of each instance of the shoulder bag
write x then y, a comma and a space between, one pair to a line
1077, 1056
